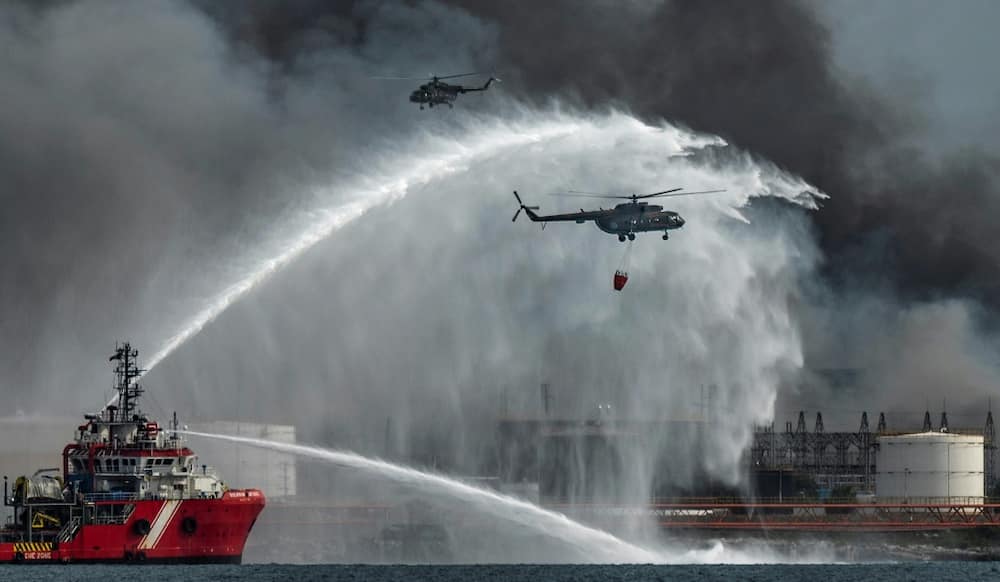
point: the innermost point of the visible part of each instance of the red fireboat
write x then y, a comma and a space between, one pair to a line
129, 491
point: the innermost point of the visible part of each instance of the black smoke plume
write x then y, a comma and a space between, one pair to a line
760, 74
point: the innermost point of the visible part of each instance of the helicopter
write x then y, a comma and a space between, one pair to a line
437, 92
624, 219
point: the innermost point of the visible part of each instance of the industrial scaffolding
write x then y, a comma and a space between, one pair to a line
835, 459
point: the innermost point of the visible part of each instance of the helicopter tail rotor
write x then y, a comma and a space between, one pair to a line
521, 207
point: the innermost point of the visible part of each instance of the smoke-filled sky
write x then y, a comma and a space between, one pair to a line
160, 160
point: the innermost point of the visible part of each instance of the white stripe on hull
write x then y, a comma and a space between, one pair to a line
142, 542
160, 523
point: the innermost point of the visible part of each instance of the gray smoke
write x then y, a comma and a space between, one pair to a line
142, 159
155, 155
910, 217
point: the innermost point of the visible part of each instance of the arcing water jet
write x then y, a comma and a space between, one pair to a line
712, 307
446, 156
586, 543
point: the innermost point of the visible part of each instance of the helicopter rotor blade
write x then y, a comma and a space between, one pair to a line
665, 195
462, 75
390, 78
658, 193
579, 194
588, 193
516, 214
429, 77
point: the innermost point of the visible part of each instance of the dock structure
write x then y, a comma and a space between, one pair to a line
891, 515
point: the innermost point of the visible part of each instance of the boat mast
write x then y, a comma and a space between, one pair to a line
126, 376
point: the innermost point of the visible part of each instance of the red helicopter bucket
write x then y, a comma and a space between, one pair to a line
621, 277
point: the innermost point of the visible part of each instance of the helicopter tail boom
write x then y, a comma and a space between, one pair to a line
483, 88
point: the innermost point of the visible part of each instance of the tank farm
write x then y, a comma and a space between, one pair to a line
928, 478
802, 478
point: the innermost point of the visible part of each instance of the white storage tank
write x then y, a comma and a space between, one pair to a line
930, 464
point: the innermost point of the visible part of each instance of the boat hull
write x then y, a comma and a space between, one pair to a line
155, 531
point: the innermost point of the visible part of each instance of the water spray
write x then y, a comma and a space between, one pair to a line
719, 286
591, 545
447, 157
450, 157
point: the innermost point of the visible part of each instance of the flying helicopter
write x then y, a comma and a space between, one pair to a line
624, 219
437, 92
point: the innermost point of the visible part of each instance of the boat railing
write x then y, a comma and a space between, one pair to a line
148, 496
117, 518
113, 496
789, 501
